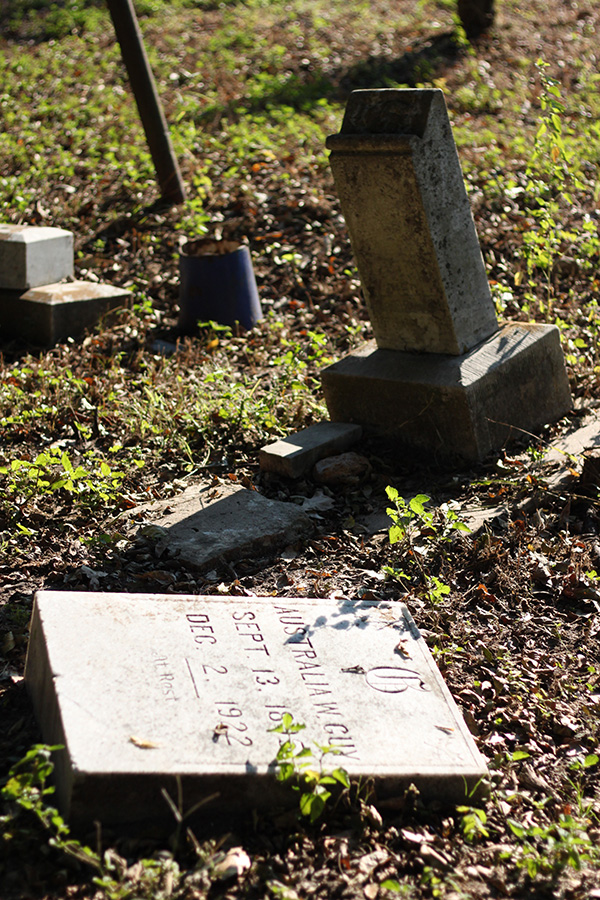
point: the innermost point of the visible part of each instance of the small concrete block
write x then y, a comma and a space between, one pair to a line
32, 255
145, 691
294, 455
462, 406
49, 314
204, 525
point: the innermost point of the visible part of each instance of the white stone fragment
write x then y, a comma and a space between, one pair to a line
33, 255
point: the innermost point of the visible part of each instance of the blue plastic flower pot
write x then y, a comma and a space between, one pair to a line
217, 284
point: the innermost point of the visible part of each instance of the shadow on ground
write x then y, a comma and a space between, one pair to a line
430, 58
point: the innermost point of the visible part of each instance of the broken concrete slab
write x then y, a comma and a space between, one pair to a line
473, 516
295, 455
149, 693
204, 525
562, 467
552, 472
49, 314
32, 255
462, 406
476, 518
568, 450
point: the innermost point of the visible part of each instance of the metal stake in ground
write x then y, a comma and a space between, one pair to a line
148, 102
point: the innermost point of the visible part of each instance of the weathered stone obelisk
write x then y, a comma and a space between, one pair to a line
441, 375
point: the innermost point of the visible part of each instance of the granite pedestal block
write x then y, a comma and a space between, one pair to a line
49, 314
463, 406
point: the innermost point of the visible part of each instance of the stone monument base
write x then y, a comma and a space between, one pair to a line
49, 314
510, 384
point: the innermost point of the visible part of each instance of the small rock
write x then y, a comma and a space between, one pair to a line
434, 858
233, 865
319, 502
347, 468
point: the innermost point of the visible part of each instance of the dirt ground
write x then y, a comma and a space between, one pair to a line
517, 639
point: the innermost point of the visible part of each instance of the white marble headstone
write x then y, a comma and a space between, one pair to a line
143, 688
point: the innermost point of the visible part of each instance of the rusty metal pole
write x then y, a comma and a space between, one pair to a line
148, 102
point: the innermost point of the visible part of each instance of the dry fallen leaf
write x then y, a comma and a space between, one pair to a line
143, 744
370, 861
402, 648
219, 729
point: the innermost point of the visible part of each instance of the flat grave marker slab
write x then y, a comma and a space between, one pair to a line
143, 690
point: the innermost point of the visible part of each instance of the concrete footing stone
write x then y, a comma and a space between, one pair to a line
204, 525
294, 455
151, 693
49, 314
31, 255
463, 406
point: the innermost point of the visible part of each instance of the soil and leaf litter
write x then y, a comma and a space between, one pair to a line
90, 429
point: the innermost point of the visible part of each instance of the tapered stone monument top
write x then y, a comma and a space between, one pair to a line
402, 194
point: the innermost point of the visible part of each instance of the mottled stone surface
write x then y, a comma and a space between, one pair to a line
402, 194
31, 255
294, 455
206, 524
49, 314
454, 406
143, 690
